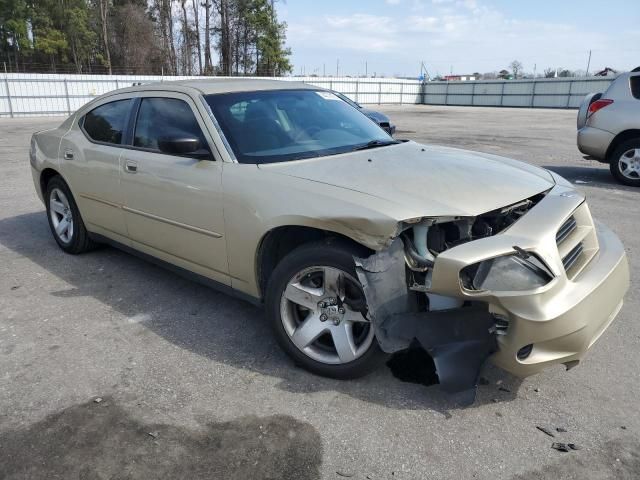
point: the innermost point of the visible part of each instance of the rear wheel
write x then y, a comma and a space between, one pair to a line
625, 163
318, 310
64, 217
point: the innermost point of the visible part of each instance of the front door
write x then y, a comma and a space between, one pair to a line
173, 204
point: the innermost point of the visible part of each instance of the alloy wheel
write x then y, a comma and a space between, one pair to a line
629, 164
61, 215
321, 310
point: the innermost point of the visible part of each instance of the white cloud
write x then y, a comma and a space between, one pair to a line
461, 34
393, 2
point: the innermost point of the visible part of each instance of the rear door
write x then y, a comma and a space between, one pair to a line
173, 204
90, 163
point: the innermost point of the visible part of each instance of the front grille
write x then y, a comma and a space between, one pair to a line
577, 241
572, 257
566, 229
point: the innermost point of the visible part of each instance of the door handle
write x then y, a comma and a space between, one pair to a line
68, 155
131, 167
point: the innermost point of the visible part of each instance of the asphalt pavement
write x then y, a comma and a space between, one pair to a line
111, 367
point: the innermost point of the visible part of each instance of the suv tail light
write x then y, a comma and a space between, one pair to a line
599, 105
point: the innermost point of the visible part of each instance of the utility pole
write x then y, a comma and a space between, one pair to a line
534, 70
324, 69
366, 69
337, 67
589, 63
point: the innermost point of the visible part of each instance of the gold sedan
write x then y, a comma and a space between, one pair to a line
358, 245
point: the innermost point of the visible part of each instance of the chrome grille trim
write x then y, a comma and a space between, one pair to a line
572, 257
566, 229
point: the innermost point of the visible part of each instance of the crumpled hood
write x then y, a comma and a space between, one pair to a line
433, 180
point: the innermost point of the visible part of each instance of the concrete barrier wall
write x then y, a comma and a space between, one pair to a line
538, 93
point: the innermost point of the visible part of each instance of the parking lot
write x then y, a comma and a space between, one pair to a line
112, 367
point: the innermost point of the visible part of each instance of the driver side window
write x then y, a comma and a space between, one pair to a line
164, 117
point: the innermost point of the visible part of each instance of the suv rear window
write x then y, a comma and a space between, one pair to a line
107, 122
635, 86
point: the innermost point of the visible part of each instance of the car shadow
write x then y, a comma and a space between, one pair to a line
593, 176
214, 325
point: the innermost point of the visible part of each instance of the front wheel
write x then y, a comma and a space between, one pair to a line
625, 163
318, 310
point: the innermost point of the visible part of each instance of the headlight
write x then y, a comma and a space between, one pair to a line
509, 273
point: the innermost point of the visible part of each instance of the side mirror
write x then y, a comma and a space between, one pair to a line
183, 145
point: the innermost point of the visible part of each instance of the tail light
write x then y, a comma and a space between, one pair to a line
599, 105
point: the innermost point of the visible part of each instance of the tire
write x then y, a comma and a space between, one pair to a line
624, 165
61, 207
308, 263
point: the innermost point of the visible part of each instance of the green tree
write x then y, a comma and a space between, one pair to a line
14, 39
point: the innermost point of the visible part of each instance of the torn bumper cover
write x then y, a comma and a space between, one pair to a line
459, 341
522, 331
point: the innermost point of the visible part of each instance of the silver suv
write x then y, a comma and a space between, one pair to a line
609, 127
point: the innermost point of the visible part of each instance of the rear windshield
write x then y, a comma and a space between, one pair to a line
283, 125
635, 86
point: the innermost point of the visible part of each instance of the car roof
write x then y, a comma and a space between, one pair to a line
208, 86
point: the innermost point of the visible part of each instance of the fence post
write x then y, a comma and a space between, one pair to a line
379, 93
533, 93
401, 92
473, 94
66, 94
569, 94
446, 94
357, 88
502, 93
6, 84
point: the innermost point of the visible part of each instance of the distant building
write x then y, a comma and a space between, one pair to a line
460, 78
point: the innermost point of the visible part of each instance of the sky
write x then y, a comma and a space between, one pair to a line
393, 37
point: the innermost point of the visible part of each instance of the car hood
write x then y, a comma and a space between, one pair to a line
433, 180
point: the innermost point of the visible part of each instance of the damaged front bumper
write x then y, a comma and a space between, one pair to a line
521, 331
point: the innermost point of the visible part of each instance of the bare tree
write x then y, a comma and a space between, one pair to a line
208, 67
196, 14
516, 68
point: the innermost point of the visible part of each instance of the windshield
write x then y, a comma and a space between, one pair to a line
282, 125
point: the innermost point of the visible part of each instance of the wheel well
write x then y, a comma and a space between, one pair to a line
620, 138
46, 175
277, 243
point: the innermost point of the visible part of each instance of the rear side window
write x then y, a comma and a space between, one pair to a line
106, 123
635, 86
164, 117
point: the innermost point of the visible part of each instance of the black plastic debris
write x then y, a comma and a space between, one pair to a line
345, 474
561, 430
561, 447
574, 446
546, 431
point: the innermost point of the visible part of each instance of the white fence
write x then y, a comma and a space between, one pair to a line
51, 94
539, 92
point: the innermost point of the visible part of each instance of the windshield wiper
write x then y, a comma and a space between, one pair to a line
375, 144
